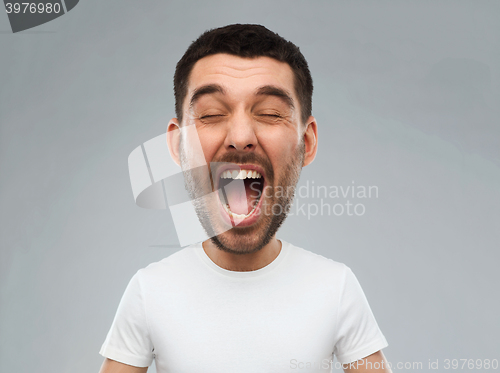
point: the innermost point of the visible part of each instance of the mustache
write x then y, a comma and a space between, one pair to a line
248, 158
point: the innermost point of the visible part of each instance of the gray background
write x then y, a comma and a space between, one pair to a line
407, 99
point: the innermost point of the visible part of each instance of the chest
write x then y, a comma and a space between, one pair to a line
238, 326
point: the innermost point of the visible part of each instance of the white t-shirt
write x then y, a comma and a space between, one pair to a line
194, 316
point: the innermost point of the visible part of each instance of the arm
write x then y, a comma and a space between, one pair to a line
128, 347
111, 366
375, 363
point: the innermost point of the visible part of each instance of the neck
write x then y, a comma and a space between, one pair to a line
243, 262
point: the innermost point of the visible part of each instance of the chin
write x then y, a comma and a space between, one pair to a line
241, 241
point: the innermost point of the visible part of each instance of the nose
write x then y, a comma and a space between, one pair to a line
241, 133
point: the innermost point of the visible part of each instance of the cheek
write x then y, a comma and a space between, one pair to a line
209, 151
211, 143
279, 146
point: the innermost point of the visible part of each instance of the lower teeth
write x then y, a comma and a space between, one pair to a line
238, 216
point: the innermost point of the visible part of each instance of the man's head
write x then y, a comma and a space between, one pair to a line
239, 87
247, 41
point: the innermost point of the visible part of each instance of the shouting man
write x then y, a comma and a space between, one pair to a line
243, 300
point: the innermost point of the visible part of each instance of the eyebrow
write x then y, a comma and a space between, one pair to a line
270, 90
267, 90
205, 90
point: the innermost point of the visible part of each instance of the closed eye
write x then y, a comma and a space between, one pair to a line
272, 115
211, 116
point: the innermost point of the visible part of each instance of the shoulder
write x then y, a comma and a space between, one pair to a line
309, 258
318, 265
174, 265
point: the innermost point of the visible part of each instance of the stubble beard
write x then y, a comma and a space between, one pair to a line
245, 240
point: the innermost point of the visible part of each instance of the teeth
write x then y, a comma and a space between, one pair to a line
243, 174
238, 216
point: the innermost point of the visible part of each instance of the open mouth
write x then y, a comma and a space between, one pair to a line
240, 193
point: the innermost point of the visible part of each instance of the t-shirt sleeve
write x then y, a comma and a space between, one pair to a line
358, 332
128, 341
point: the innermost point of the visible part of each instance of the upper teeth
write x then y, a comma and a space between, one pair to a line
242, 174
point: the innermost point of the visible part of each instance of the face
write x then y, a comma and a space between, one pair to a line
247, 117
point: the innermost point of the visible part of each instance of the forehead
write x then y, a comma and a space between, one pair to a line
241, 74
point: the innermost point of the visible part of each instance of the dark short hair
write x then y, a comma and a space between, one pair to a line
245, 41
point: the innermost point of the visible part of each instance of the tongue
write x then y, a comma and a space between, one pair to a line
236, 197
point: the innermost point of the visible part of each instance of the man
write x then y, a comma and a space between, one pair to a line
243, 301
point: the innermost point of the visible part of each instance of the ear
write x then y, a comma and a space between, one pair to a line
310, 140
174, 139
